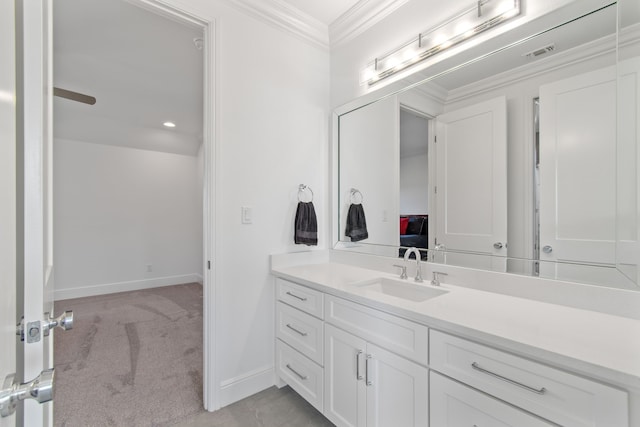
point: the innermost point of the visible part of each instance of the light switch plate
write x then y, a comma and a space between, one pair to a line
246, 215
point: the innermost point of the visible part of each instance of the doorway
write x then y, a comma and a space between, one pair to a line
130, 205
415, 206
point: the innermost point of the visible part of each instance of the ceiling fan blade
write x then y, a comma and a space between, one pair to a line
74, 96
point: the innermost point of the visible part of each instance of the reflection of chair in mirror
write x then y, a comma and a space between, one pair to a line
414, 233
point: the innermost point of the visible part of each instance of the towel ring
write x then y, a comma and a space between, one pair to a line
354, 193
301, 189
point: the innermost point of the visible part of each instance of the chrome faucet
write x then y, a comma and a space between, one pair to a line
416, 252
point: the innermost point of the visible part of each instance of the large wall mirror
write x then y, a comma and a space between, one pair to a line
520, 157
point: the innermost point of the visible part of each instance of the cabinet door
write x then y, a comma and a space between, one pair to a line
455, 405
345, 389
397, 390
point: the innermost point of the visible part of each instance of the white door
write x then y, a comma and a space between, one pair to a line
344, 372
7, 197
369, 144
35, 211
628, 181
577, 168
397, 390
471, 178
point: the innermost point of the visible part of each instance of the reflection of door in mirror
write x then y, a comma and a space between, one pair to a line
471, 171
414, 179
369, 162
628, 179
628, 220
577, 170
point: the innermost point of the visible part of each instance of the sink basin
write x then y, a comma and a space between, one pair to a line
401, 289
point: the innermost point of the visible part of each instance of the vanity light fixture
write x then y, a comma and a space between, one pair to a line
169, 124
482, 16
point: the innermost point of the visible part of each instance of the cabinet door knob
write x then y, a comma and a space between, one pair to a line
369, 380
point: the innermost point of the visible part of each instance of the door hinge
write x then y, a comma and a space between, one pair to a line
208, 265
435, 190
435, 139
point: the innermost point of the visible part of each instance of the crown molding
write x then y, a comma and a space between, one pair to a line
576, 55
362, 16
286, 17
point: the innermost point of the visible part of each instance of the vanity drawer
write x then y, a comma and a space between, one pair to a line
306, 299
453, 404
558, 396
400, 336
302, 375
300, 330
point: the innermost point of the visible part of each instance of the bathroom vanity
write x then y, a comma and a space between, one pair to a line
367, 348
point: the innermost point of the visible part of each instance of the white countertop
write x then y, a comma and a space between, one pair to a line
598, 345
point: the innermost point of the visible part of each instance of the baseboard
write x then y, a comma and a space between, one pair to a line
235, 389
134, 285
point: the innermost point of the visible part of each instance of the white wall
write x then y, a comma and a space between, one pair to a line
272, 109
414, 164
118, 210
414, 185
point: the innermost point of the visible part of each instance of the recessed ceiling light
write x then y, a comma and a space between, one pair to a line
169, 124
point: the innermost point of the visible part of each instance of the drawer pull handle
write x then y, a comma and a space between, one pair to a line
542, 390
304, 334
358, 375
302, 377
369, 380
296, 296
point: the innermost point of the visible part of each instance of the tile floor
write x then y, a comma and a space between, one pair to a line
272, 407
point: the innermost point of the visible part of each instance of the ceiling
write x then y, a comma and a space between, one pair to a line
143, 69
325, 11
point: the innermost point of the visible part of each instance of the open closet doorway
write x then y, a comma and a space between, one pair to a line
129, 213
414, 180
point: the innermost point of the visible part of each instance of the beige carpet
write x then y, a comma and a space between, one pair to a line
132, 359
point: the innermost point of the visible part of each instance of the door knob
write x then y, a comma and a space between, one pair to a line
39, 389
498, 245
547, 249
64, 321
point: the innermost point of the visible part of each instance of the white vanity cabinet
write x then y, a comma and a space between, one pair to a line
553, 394
366, 385
300, 339
369, 379
456, 405
362, 366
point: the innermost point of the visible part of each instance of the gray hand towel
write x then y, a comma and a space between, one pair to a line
356, 223
306, 225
